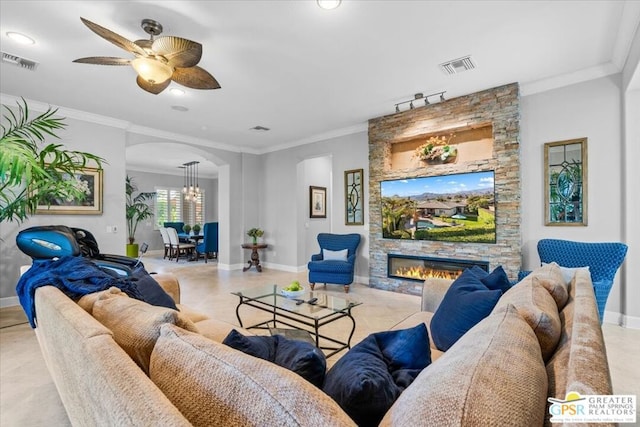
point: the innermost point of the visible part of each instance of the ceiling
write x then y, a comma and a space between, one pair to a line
306, 73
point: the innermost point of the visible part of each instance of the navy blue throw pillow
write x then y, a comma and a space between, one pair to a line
300, 357
466, 303
368, 379
151, 291
497, 279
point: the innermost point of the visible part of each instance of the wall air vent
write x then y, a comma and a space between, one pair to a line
9, 58
259, 129
459, 65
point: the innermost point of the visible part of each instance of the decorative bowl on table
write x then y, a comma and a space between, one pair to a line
292, 294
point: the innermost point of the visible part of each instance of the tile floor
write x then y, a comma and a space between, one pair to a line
28, 396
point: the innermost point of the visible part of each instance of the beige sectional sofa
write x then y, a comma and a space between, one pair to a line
118, 361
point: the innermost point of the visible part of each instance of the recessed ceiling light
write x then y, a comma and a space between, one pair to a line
328, 4
176, 91
179, 108
260, 129
20, 38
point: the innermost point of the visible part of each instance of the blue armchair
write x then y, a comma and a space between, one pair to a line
332, 265
603, 260
209, 244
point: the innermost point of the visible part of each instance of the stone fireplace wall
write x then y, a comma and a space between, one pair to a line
498, 108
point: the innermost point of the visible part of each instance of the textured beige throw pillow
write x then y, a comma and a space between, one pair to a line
215, 385
538, 308
136, 325
87, 301
552, 280
492, 376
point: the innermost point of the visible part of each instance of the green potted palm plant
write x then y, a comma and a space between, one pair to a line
31, 174
137, 210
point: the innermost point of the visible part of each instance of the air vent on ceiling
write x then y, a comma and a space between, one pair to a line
18, 61
259, 129
459, 65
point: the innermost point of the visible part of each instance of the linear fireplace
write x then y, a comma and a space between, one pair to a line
419, 268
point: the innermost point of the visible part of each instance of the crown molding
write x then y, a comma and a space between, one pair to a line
629, 25
568, 79
67, 112
318, 137
40, 106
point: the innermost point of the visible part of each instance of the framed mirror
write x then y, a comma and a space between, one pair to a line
565, 182
353, 197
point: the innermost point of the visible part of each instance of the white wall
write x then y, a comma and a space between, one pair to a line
591, 109
314, 172
286, 202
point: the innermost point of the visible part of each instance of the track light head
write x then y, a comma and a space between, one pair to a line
397, 108
442, 97
411, 105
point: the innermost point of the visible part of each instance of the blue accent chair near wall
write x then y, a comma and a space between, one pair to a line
209, 244
603, 260
338, 272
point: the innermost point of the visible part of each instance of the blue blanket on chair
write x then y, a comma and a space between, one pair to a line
75, 276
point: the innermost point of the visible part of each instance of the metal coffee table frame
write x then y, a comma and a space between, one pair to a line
286, 313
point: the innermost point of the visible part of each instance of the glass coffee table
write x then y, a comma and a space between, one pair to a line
304, 316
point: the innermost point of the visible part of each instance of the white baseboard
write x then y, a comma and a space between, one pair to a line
361, 279
230, 267
631, 322
287, 268
9, 302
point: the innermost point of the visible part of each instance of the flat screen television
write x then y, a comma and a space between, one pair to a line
452, 208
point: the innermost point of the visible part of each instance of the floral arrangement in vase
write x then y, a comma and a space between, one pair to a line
196, 228
255, 233
186, 228
437, 150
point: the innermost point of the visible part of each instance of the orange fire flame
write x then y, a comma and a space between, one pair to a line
426, 273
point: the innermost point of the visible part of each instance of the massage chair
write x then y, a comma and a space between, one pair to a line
55, 241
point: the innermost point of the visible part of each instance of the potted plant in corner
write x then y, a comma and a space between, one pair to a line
255, 233
137, 210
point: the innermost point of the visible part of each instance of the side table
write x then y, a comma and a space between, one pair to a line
255, 258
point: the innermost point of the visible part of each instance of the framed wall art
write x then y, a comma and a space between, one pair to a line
353, 197
89, 180
317, 202
565, 182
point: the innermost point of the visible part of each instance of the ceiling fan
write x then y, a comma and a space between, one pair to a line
157, 60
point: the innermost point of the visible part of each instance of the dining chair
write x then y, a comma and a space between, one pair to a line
177, 247
209, 244
166, 242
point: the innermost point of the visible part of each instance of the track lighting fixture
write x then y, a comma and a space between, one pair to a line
420, 96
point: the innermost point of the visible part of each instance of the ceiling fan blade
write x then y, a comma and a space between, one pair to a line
114, 38
179, 52
152, 88
195, 78
103, 60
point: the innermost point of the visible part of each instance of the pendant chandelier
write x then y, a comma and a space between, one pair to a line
191, 189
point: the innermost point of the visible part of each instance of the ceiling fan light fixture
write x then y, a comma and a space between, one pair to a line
328, 4
152, 70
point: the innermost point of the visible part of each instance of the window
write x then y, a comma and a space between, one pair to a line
171, 207
194, 211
